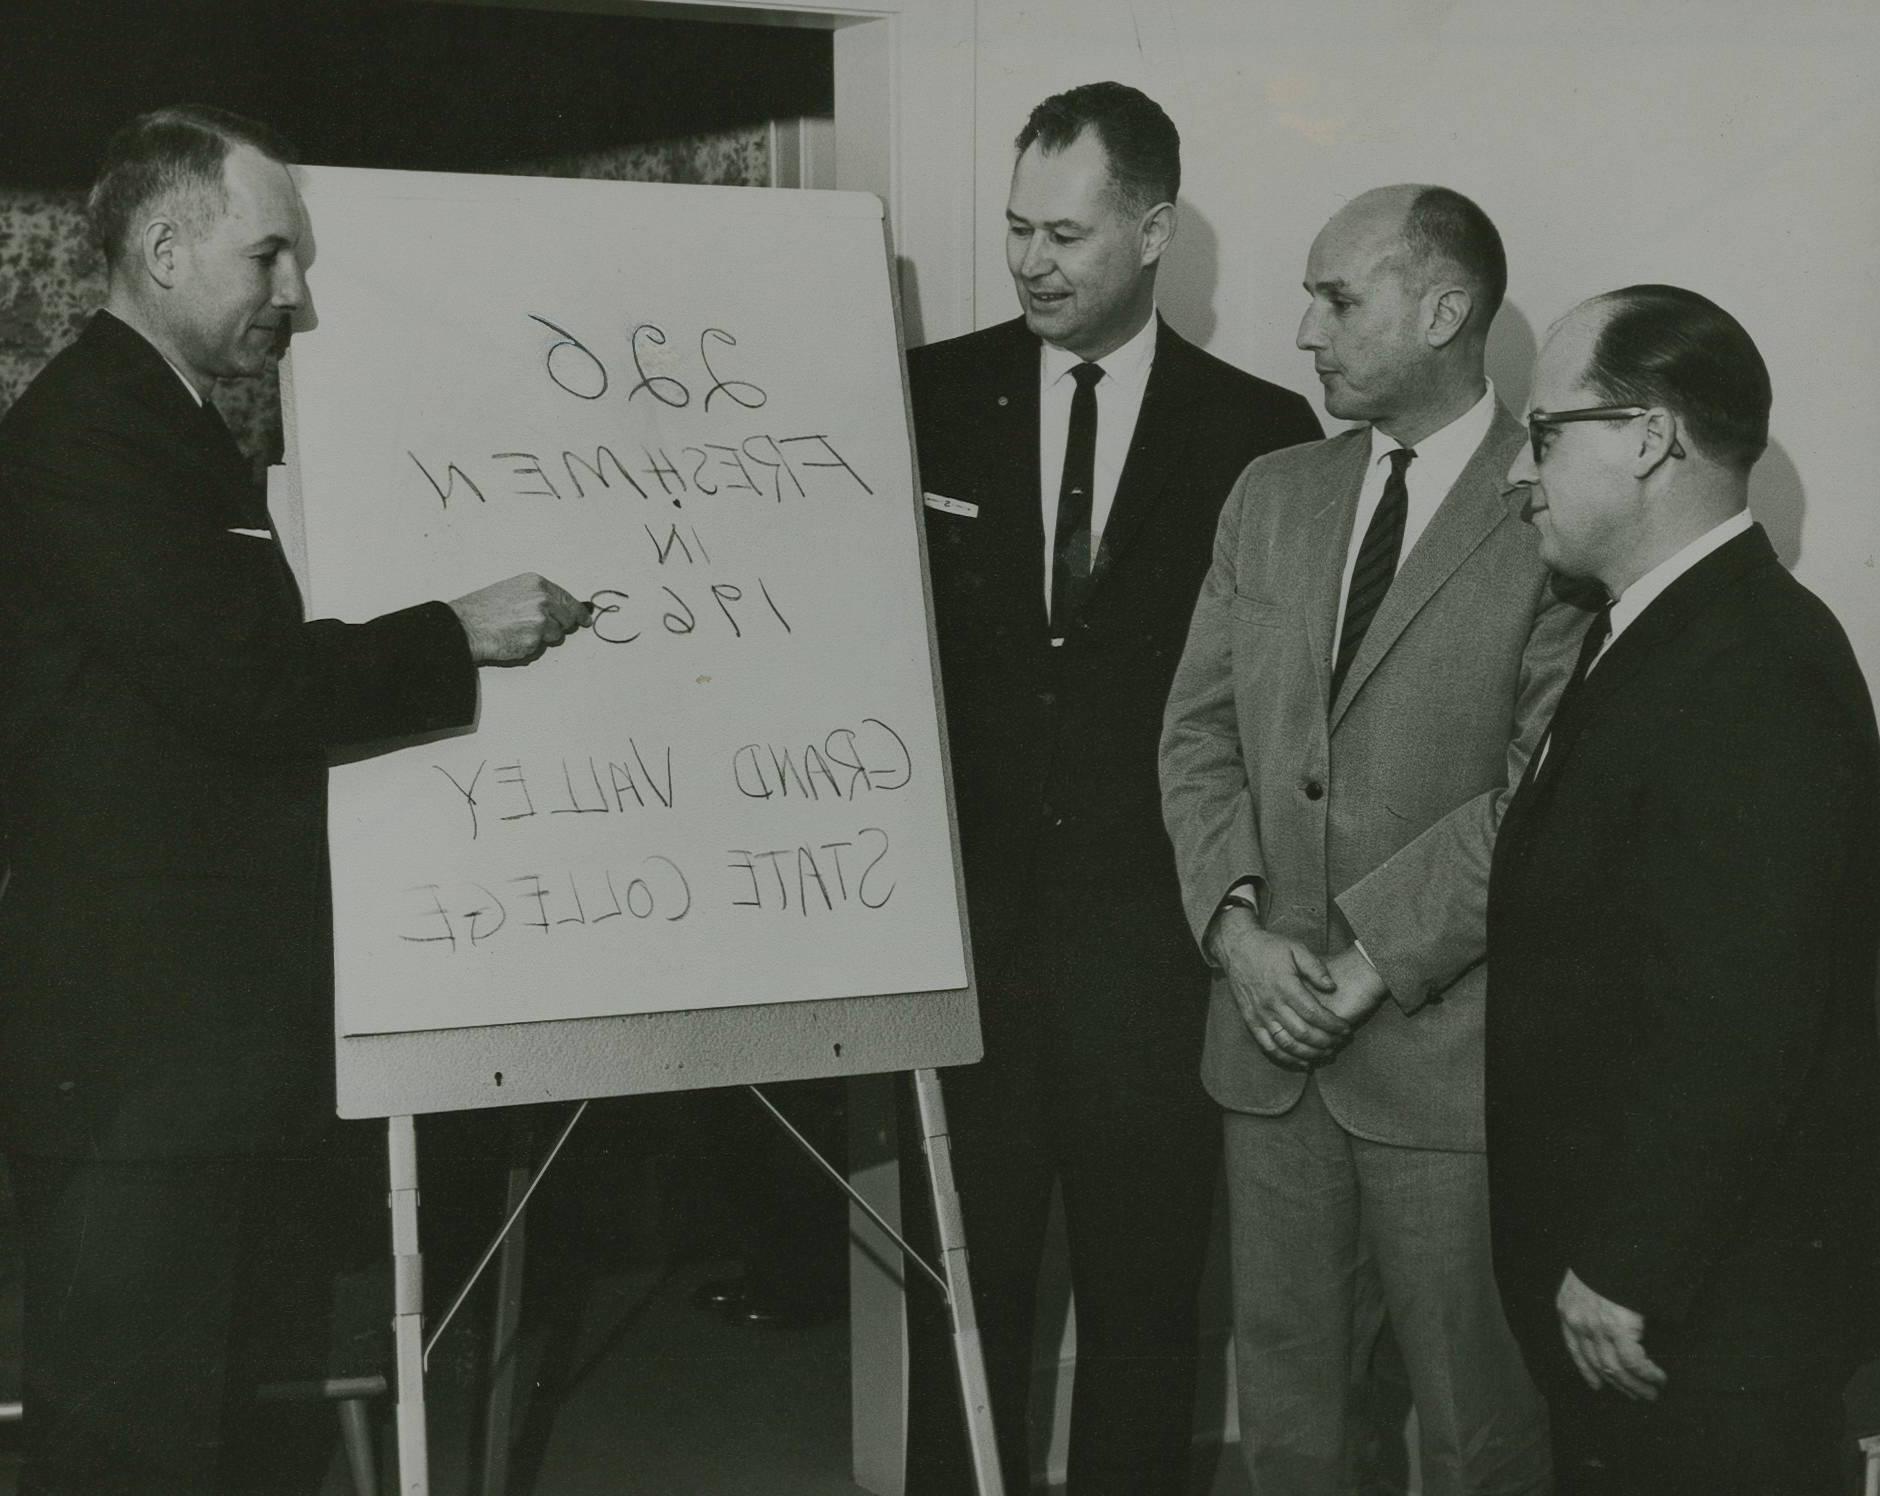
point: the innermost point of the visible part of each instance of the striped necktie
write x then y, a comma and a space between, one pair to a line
1376, 566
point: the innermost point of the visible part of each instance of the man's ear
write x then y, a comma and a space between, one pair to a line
1446, 312
1658, 442
1158, 232
157, 246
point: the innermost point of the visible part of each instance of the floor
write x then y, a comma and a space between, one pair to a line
624, 1387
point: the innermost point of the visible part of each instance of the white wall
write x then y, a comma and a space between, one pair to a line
1730, 146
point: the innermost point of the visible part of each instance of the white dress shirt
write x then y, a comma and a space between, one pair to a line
194, 393
1119, 401
1441, 457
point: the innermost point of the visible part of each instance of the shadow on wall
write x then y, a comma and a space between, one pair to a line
1512, 346
1776, 499
1185, 287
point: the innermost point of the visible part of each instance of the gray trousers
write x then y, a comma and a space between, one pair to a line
1331, 1233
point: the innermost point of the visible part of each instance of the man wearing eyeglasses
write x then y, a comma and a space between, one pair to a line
1683, 916
1370, 663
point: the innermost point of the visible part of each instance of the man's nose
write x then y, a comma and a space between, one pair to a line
290, 284
1037, 259
1522, 473
1308, 339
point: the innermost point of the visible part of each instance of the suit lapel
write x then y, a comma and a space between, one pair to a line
1468, 513
1318, 556
1006, 413
1665, 616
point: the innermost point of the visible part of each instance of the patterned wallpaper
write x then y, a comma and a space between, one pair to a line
51, 278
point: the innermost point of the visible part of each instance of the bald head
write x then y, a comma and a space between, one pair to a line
1442, 237
1404, 281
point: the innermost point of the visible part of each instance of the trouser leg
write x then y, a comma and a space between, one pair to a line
1481, 1425
1298, 1264
1140, 1154
129, 1284
1779, 1441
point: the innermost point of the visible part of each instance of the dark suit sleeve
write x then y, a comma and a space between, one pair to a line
194, 617
1744, 836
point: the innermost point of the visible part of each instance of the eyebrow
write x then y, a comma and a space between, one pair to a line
1332, 284
1049, 223
271, 241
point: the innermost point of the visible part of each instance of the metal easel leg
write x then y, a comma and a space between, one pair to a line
968, 1353
950, 1278
499, 1401
414, 1462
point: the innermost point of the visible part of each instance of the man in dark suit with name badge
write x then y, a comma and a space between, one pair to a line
166, 1020
1683, 916
1075, 460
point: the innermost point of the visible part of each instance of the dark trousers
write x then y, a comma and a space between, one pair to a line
158, 1296
1117, 1118
1775, 1442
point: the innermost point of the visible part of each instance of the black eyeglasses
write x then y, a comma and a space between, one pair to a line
1539, 420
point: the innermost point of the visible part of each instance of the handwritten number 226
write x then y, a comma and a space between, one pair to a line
665, 388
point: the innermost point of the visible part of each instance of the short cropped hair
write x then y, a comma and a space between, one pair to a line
1141, 141
1663, 345
1445, 227
173, 154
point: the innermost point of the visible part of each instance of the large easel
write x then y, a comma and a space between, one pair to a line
686, 403
951, 1277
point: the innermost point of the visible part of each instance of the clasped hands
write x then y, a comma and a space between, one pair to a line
1300, 1007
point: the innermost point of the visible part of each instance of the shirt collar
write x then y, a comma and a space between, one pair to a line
1452, 446
194, 393
1127, 365
1640, 595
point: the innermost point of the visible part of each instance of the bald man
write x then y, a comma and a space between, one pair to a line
1372, 658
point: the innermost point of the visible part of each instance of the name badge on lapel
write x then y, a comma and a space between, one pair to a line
951, 506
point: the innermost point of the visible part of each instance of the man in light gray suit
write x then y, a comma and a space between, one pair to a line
1373, 655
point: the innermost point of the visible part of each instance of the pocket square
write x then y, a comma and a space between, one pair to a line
951, 506
256, 534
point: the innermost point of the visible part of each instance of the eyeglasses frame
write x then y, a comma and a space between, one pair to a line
1539, 420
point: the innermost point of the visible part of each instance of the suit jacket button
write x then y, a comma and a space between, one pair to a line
1047, 698
1314, 790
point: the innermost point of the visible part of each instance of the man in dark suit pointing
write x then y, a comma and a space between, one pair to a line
1683, 916
165, 714
1075, 460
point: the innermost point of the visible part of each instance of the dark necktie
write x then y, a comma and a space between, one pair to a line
1598, 631
1070, 552
1376, 565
